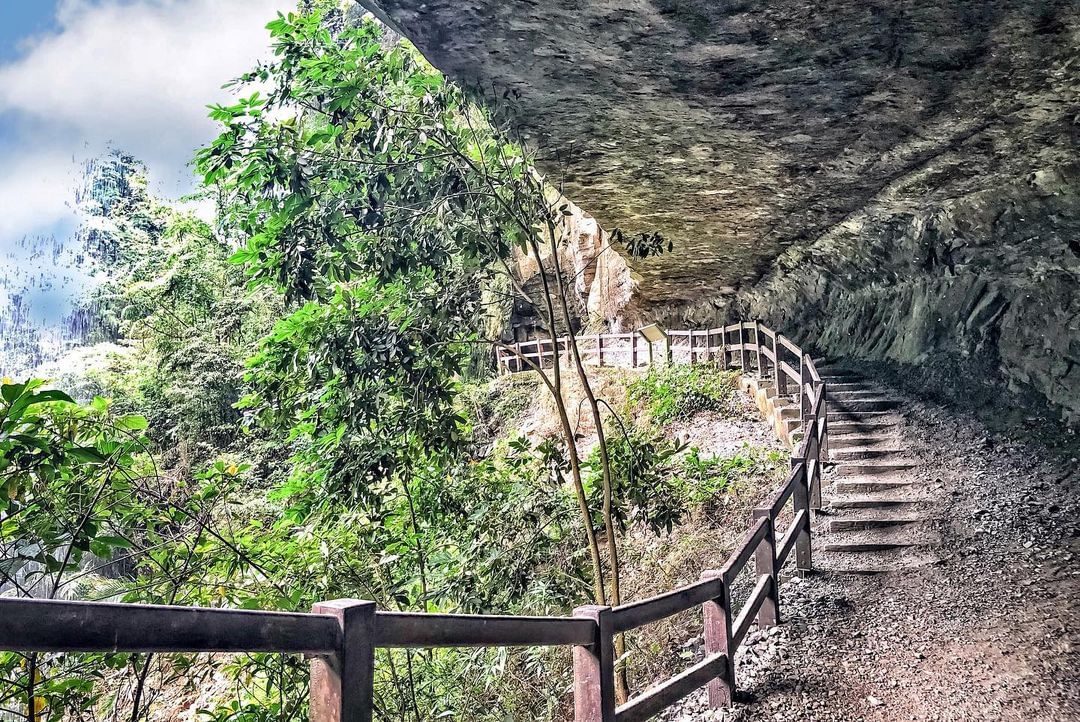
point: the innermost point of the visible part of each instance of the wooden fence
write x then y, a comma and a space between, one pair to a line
633, 350
342, 635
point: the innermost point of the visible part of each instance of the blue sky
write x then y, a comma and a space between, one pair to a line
78, 77
22, 18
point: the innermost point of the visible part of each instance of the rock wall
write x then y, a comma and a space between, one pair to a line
985, 285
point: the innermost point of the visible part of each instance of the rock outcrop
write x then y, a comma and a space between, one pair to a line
874, 161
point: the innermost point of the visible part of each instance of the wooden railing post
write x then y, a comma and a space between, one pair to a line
823, 450
804, 402
599, 349
723, 348
716, 614
594, 669
765, 560
633, 350
342, 684
801, 502
758, 345
778, 372
742, 346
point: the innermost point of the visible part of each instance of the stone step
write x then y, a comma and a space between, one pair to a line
876, 562
863, 418
884, 440
872, 467
835, 394
895, 500
878, 539
840, 386
789, 412
873, 519
836, 372
881, 452
864, 404
867, 487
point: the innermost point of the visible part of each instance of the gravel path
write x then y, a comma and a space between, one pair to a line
988, 633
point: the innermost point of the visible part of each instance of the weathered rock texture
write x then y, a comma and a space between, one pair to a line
913, 155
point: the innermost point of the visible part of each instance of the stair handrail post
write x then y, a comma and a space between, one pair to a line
804, 401
742, 347
723, 348
600, 349
800, 498
594, 668
779, 378
758, 345
823, 448
765, 562
343, 682
716, 617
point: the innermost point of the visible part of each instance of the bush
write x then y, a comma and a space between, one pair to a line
673, 393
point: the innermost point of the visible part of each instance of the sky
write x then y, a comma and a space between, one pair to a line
78, 77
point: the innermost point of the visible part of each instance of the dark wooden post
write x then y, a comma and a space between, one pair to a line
804, 402
778, 373
760, 356
742, 346
765, 560
594, 669
717, 616
599, 349
823, 451
690, 336
801, 502
723, 348
668, 357
633, 350
342, 684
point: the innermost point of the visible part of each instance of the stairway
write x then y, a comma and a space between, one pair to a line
876, 515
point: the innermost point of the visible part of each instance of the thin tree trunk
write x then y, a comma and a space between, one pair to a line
622, 686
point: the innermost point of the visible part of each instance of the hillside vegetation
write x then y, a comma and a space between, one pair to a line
299, 406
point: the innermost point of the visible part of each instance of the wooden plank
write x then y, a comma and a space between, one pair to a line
653, 609
742, 622
768, 353
41, 625
767, 332
791, 371
745, 550
790, 345
812, 368
664, 695
410, 629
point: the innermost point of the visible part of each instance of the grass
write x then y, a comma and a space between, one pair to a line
677, 392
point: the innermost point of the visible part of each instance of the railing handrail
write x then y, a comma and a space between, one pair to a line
342, 682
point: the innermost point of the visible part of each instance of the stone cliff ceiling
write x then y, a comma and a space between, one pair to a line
737, 128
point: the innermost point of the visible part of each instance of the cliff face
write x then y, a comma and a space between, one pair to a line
894, 175
983, 287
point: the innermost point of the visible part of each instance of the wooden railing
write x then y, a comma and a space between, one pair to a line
342, 635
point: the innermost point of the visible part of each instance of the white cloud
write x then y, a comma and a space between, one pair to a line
133, 74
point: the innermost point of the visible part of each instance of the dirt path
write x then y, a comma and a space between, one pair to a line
990, 632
